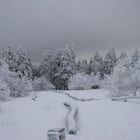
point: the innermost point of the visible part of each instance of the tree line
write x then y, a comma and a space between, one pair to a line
59, 70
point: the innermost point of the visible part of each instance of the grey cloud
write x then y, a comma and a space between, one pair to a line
90, 24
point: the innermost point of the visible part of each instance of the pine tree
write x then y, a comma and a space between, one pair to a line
22, 65
78, 66
135, 58
96, 65
66, 67
123, 60
47, 67
8, 57
110, 61
35, 71
90, 67
84, 66
58, 67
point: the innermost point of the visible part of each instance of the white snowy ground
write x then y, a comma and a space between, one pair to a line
25, 119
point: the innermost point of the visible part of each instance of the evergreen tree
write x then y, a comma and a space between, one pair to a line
66, 67
110, 61
135, 58
47, 67
96, 65
35, 71
90, 67
8, 57
78, 66
22, 65
58, 67
84, 66
123, 60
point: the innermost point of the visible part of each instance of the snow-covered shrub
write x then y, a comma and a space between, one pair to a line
135, 78
124, 80
20, 87
17, 86
80, 81
4, 91
118, 82
42, 84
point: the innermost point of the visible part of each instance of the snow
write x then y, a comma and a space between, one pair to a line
26, 119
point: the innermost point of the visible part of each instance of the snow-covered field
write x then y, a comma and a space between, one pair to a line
26, 119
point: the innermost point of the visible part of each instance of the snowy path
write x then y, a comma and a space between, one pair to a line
71, 118
25, 119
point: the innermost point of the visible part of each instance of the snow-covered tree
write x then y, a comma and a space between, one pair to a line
35, 71
78, 66
8, 57
66, 67
84, 66
110, 61
135, 77
123, 60
47, 67
21, 87
119, 80
124, 80
22, 65
135, 58
4, 91
58, 67
96, 65
90, 67
17, 86
4, 71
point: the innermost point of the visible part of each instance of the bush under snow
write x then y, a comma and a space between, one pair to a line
18, 87
80, 81
4, 91
42, 84
125, 80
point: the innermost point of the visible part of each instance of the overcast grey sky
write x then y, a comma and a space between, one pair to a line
90, 25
